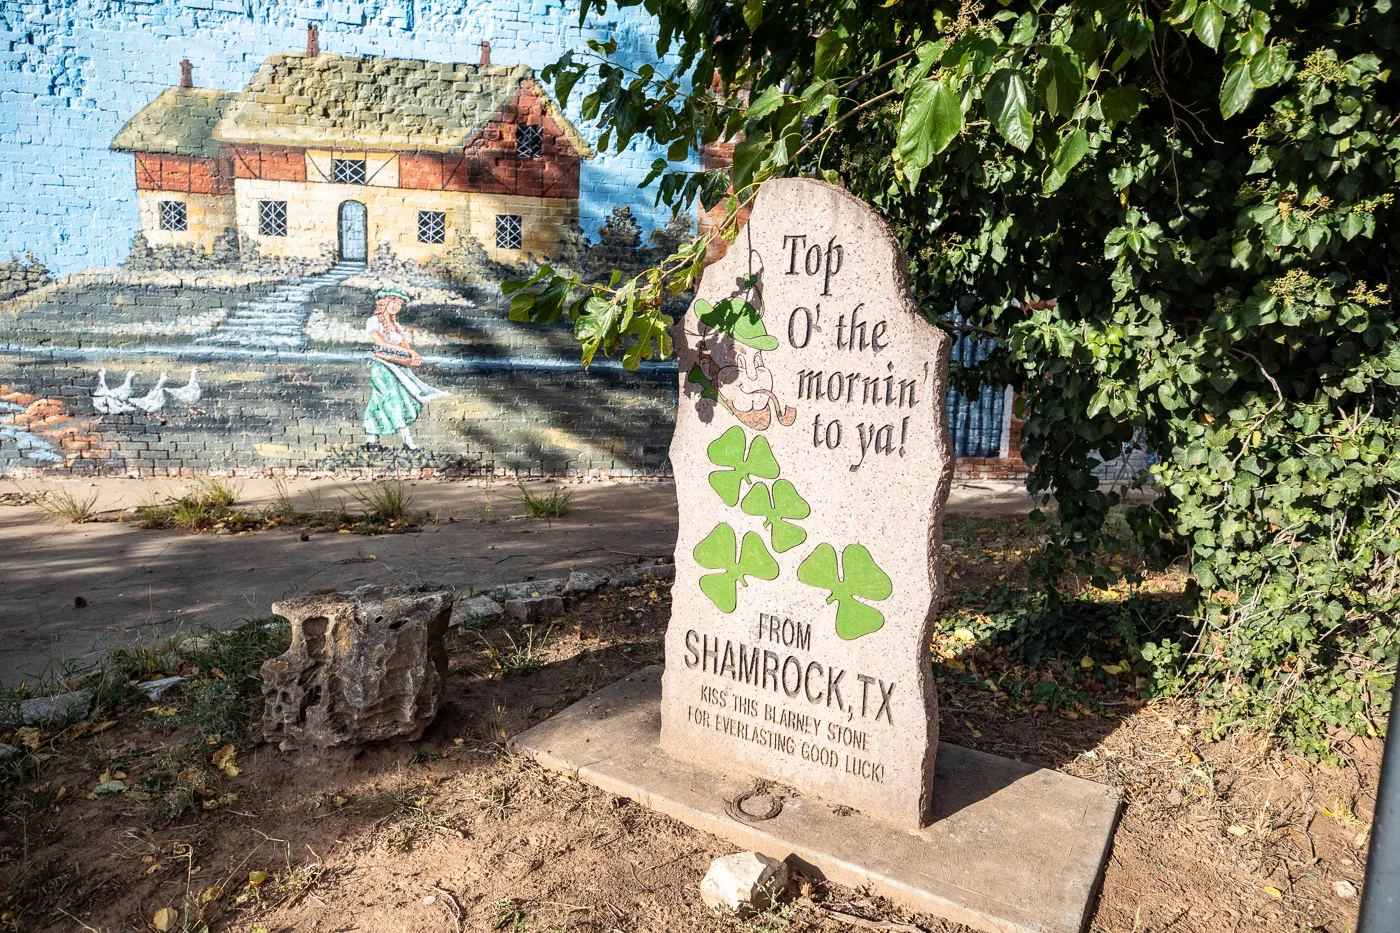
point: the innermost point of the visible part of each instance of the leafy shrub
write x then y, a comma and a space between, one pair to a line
1178, 222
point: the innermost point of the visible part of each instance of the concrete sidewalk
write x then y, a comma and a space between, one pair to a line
139, 584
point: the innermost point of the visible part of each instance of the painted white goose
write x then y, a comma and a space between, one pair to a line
122, 392
154, 400
110, 405
109, 401
189, 393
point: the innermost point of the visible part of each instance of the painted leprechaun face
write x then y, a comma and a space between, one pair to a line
730, 343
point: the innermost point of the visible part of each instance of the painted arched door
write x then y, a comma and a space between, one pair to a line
354, 232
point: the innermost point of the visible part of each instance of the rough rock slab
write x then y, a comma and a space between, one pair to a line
581, 582
535, 608
7, 752
528, 590
660, 573
364, 666
476, 610
1012, 848
41, 710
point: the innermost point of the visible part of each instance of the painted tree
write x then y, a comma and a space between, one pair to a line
1177, 222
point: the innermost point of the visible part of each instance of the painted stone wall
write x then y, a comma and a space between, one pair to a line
205, 197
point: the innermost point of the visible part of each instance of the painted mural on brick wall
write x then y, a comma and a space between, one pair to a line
311, 262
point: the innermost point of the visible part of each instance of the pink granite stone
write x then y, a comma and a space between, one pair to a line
812, 462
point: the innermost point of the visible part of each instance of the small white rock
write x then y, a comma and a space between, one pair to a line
155, 689
743, 884
1344, 889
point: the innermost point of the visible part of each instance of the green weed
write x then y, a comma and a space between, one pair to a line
386, 502
554, 505
68, 506
213, 493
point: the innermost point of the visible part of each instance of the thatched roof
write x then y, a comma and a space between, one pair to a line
178, 122
385, 104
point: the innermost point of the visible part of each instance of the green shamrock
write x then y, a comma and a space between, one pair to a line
727, 450
858, 576
716, 552
777, 508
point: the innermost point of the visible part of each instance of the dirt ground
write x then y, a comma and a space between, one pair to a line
453, 833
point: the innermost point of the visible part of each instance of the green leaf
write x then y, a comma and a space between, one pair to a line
778, 508
748, 155
828, 56
716, 552
1237, 91
1181, 11
932, 119
727, 451
753, 13
1007, 106
564, 81
771, 99
857, 576
1024, 30
1061, 81
1068, 154
1268, 67
1122, 103
1208, 23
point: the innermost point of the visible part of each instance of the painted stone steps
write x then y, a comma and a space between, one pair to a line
279, 319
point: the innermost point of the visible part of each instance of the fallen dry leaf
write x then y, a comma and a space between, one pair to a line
165, 919
226, 760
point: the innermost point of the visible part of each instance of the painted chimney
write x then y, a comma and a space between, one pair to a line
186, 73
485, 54
313, 40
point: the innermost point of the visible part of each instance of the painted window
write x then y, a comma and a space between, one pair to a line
272, 218
529, 142
509, 234
173, 216
432, 226
348, 171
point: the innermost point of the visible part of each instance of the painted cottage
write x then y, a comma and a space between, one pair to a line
324, 151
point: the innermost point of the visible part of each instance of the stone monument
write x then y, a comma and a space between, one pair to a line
812, 462
796, 714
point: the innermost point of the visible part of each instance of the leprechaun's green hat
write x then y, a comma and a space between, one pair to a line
739, 319
392, 291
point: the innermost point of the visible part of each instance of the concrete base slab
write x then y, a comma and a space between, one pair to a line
1012, 848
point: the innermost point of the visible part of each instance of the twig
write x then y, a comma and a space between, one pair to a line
839, 120
77, 921
452, 902
670, 860
857, 921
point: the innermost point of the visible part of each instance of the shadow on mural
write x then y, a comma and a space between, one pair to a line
314, 286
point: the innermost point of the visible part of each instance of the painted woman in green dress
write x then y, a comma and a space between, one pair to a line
397, 395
